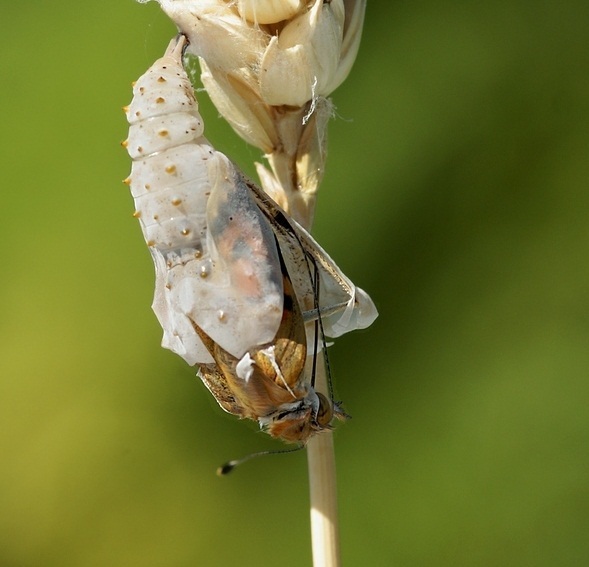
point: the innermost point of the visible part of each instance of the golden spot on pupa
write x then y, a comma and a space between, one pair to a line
163, 133
176, 201
150, 243
125, 143
161, 79
160, 100
127, 181
171, 169
137, 214
185, 231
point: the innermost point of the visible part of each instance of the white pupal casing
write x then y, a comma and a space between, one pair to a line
195, 219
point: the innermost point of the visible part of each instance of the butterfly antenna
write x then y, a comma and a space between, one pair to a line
230, 465
316, 325
319, 330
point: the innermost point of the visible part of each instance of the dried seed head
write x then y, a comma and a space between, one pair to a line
308, 56
269, 66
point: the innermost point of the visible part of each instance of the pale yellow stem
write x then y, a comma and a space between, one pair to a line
323, 491
298, 203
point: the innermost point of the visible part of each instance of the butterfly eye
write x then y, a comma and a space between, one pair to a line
325, 412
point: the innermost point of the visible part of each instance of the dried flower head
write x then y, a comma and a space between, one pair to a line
269, 66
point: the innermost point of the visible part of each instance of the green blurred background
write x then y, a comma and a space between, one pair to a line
456, 194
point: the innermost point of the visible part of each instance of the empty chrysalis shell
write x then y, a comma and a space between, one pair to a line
189, 209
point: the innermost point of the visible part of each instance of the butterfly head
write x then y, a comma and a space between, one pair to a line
296, 422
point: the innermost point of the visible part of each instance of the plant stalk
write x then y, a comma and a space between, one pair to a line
323, 492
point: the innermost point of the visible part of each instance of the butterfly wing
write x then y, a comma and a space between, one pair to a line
217, 385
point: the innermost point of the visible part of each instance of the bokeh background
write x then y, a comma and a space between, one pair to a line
456, 194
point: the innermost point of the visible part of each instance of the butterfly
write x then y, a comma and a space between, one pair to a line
241, 289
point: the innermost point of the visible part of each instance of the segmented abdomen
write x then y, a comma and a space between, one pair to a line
170, 174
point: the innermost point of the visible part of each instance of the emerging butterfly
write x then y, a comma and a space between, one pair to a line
240, 287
